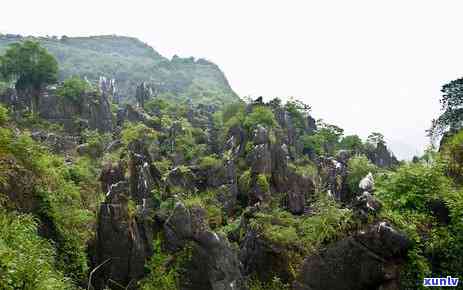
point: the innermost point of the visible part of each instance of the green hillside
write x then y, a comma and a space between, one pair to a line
130, 61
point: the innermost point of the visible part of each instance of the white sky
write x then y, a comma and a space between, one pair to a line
363, 65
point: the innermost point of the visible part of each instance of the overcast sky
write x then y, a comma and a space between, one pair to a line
363, 65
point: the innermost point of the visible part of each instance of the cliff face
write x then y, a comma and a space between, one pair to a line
130, 62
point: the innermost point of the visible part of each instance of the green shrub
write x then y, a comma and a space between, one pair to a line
260, 115
165, 270
207, 201
3, 115
74, 89
139, 131
210, 161
96, 141
263, 182
452, 152
405, 195
244, 182
162, 276
275, 284
329, 223
26, 260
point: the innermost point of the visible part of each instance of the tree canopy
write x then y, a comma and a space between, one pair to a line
73, 89
30, 67
451, 108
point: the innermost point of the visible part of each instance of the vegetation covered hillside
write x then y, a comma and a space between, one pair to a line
167, 195
130, 61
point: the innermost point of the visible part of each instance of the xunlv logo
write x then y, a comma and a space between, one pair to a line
439, 282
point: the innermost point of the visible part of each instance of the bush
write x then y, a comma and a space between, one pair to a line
329, 223
161, 276
262, 182
406, 195
165, 270
260, 115
74, 89
452, 152
3, 115
210, 162
96, 142
138, 132
26, 260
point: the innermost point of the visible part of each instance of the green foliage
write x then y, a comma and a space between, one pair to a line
162, 276
3, 86
275, 284
263, 182
138, 132
60, 200
96, 141
74, 89
452, 152
358, 167
352, 143
30, 66
4, 117
328, 224
406, 194
26, 260
210, 162
298, 112
324, 141
207, 201
232, 110
165, 270
260, 115
451, 108
244, 182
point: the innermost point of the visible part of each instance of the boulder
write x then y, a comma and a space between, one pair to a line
367, 183
366, 260
440, 211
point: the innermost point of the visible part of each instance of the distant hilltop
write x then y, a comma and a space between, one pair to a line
130, 61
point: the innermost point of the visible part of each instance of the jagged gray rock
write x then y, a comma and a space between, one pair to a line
366, 260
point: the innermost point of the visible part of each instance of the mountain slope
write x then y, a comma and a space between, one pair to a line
130, 61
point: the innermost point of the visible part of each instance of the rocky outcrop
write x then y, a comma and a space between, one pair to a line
263, 258
56, 142
367, 260
142, 94
214, 265
381, 156
334, 175
121, 242
125, 227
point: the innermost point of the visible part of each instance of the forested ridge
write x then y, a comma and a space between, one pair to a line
162, 192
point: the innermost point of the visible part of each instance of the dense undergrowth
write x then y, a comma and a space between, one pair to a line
49, 197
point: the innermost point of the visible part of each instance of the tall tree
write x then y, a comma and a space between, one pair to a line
451, 101
31, 67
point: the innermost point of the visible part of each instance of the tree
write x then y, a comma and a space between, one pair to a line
452, 109
351, 142
260, 115
30, 67
74, 89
